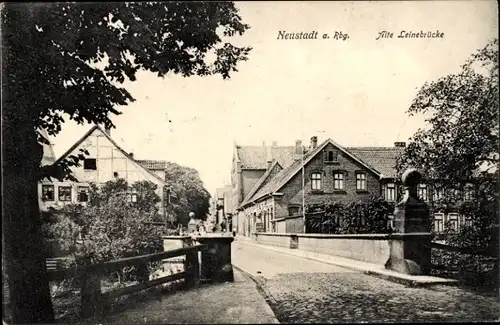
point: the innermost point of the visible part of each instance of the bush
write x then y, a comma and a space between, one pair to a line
369, 216
110, 227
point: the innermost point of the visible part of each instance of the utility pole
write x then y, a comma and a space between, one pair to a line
166, 201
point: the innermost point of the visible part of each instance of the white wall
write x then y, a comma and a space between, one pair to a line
56, 203
109, 160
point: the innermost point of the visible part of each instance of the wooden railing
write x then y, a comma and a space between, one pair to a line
92, 299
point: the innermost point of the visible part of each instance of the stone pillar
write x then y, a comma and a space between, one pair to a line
216, 263
174, 242
175, 264
191, 227
410, 251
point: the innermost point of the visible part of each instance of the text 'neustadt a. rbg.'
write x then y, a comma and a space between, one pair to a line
311, 35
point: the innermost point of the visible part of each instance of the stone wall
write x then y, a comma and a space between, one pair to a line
371, 248
281, 240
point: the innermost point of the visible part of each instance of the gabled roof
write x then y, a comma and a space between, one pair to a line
97, 127
262, 181
153, 164
383, 159
286, 174
255, 157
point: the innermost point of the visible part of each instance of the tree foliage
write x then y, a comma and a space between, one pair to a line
61, 43
461, 144
462, 112
68, 60
187, 193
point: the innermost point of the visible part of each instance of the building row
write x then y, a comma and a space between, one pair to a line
271, 185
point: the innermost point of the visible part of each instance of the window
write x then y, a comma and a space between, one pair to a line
462, 222
361, 181
422, 191
390, 221
438, 222
331, 156
90, 164
115, 174
468, 192
438, 193
338, 181
48, 192
390, 192
453, 193
293, 210
133, 195
468, 221
453, 221
316, 181
83, 194
65, 193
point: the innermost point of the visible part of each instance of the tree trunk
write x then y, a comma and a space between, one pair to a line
24, 246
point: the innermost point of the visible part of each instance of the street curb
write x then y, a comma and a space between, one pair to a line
388, 277
264, 292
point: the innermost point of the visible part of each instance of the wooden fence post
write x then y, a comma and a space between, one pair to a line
142, 272
192, 270
90, 294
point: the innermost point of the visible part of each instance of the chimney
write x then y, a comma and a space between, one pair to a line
314, 142
269, 157
275, 144
399, 144
299, 150
131, 154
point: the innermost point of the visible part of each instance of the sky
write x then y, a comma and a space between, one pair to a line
355, 92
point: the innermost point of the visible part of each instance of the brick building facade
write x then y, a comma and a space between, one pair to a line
296, 176
314, 173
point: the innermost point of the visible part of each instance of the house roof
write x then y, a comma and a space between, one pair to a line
255, 157
153, 164
221, 191
260, 182
286, 174
382, 159
89, 132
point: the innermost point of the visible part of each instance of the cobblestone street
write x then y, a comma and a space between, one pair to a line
341, 296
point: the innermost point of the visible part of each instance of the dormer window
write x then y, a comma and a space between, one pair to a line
331, 156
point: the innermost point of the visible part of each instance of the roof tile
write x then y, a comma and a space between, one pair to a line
382, 159
153, 164
255, 157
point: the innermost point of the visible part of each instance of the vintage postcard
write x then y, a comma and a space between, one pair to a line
250, 162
